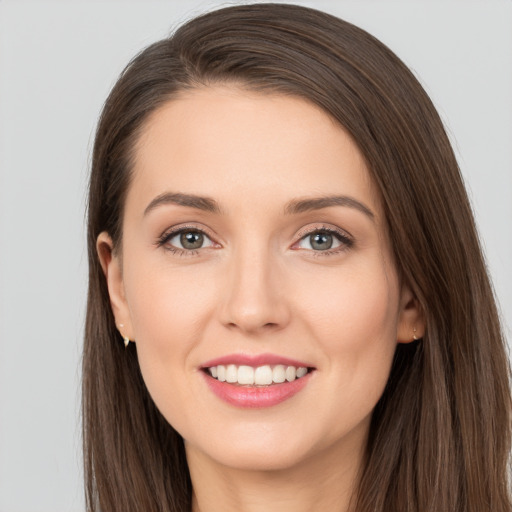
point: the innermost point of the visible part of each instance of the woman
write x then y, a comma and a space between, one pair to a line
288, 306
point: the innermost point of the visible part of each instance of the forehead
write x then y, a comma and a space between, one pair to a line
225, 140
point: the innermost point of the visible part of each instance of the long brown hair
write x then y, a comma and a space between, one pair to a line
440, 435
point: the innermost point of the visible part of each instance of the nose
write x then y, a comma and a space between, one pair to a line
253, 299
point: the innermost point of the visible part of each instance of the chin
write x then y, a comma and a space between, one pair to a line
254, 458
267, 448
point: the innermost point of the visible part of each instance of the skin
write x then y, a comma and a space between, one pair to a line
258, 286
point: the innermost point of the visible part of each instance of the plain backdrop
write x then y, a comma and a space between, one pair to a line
58, 61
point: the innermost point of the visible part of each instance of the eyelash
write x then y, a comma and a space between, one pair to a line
346, 241
170, 234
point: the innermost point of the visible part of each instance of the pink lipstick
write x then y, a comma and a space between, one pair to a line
256, 381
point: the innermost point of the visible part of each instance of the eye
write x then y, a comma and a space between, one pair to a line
188, 240
319, 241
324, 240
185, 240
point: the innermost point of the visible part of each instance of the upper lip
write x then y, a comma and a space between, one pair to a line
255, 361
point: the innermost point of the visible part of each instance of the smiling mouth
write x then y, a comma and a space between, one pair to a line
260, 376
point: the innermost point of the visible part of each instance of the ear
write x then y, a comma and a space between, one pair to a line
111, 265
411, 320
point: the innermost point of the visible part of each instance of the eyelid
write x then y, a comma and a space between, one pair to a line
173, 231
308, 230
346, 239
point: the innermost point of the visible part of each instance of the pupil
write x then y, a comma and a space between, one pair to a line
191, 240
321, 241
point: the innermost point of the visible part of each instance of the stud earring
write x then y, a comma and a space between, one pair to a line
414, 337
125, 338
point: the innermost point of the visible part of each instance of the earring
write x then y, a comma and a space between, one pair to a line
414, 337
125, 338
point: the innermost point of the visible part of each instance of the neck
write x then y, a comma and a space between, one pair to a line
324, 482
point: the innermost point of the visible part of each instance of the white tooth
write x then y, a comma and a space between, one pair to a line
221, 373
213, 371
301, 372
291, 373
278, 374
263, 375
231, 373
245, 375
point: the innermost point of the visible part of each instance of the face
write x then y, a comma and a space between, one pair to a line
254, 249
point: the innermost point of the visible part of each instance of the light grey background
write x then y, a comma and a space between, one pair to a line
58, 61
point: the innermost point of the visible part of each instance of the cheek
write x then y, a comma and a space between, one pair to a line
166, 304
353, 307
353, 317
354, 324
169, 310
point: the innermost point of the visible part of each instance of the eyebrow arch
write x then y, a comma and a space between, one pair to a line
192, 201
316, 203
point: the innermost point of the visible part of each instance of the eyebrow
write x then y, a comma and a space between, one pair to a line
294, 207
192, 201
317, 203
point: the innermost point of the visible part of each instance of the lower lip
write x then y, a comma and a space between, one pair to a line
253, 397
